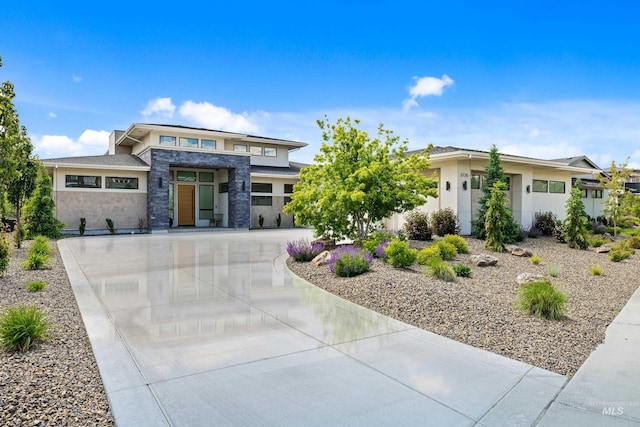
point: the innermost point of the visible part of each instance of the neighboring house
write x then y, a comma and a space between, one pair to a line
161, 176
534, 185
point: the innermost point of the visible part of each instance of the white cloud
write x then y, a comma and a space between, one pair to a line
52, 115
90, 142
211, 116
426, 86
162, 107
77, 79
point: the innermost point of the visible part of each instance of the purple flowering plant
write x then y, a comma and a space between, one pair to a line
303, 251
349, 261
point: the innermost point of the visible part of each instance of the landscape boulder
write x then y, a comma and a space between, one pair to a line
602, 250
484, 260
321, 259
525, 278
326, 242
518, 251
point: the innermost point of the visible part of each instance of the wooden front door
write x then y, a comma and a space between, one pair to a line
186, 205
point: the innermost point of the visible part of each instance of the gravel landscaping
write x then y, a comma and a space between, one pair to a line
480, 311
57, 381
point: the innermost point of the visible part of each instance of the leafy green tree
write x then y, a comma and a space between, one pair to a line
9, 132
20, 189
497, 218
494, 173
613, 182
39, 212
356, 181
574, 226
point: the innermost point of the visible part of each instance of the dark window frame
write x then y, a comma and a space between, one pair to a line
135, 182
80, 181
261, 187
546, 185
256, 199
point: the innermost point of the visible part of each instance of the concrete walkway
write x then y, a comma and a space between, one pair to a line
211, 329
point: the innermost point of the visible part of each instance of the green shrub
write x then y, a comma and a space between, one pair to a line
36, 285
596, 241
634, 242
5, 254
443, 271
417, 226
399, 254
596, 270
444, 221
631, 232
22, 325
619, 254
459, 242
545, 222
41, 246
35, 261
553, 270
462, 270
371, 243
429, 255
615, 230
447, 250
542, 299
535, 260
574, 230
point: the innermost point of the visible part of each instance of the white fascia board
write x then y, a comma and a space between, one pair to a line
102, 167
273, 175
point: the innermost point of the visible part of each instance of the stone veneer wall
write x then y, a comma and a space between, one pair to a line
96, 206
158, 195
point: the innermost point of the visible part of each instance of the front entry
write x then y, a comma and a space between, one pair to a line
186, 205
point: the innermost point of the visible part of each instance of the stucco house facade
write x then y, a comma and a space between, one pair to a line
159, 177
534, 185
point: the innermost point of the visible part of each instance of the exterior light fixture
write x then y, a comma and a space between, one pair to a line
448, 186
160, 182
528, 189
464, 185
243, 186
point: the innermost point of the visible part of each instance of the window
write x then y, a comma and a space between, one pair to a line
259, 187
585, 193
507, 180
261, 201
596, 194
186, 176
287, 199
223, 187
170, 175
171, 201
209, 144
121, 183
256, 151
189, 142
206, 176
475, 182
288, 188
169, 141
556, 186
241, 148
270, 152
540, 186
205, 193
82, 181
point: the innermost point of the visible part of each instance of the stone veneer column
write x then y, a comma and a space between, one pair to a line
158, 195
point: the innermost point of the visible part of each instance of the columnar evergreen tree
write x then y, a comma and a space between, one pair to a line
497, 218
356, 181
9, 132
494, 173
39, 212
574, 226
613, 182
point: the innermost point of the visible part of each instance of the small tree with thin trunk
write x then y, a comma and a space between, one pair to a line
20, 189
613, 182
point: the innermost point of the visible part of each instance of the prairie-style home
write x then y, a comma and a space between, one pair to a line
158, 177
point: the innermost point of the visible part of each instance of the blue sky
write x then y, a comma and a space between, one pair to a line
534, 77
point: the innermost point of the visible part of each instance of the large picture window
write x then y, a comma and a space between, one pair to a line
260, 187
557, 186
117, 182
206, 201
540, 186
83, 181
261, 200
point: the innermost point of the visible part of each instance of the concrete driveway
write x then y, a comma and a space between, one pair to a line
210, 328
